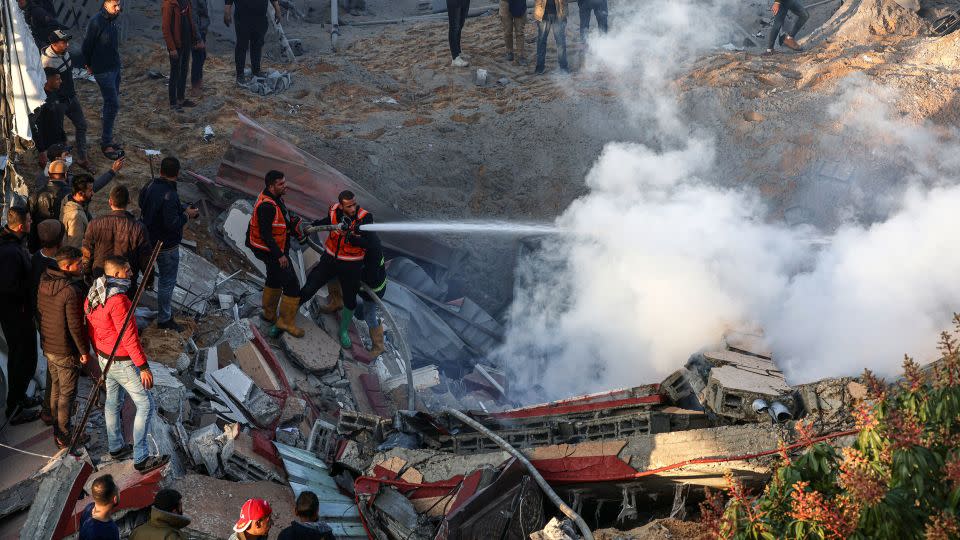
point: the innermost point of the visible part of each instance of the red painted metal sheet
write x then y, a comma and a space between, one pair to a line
136, 491
261, 344
553, 409
313, 186
469, 488
583, 469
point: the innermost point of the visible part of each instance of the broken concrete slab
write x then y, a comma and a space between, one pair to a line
169, 393
262, 409
397, 514
237, 334
233, 225
205, 449
423, 379
19, 496
352, 458
315, 352
49, 514
253, 364
294, 410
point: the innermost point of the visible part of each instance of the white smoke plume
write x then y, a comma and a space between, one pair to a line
664, 261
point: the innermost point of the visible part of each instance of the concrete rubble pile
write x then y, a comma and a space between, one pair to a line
243, 414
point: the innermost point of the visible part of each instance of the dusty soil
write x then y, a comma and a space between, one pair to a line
661, 529
214, 505
519, 147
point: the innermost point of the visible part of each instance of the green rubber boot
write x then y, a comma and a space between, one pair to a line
346, 316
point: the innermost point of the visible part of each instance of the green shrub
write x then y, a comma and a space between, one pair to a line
899, 480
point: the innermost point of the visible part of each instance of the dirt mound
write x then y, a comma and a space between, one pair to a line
661, 529
865, 21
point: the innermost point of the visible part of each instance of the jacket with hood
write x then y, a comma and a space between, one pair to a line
60, 307
162, 526
104, 323
75, 218
14, 276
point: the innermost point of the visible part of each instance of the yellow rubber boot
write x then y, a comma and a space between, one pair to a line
335, 300
376, 336
288, 316
271, 299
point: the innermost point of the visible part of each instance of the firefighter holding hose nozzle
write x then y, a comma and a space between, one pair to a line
343, 256
268, 237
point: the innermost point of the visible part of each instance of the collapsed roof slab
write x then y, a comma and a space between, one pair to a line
313, 186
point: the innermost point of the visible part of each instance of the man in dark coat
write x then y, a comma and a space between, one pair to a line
16, 317
63, 336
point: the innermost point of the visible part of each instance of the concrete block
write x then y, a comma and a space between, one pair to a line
237, 334
294, 410
315, 352
262, 409
352, 458
169, 393
423, 378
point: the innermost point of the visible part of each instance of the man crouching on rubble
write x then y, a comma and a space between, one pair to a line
268, 237
343, 256
106, 307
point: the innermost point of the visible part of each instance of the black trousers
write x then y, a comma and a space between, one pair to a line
278, 277
179, 69
599, 8
348, 272
456, 17
21, 336
250, 35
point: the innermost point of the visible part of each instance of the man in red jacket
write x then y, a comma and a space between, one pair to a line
106, 307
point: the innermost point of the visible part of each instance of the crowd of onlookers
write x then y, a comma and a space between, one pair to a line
550, 15
167, 519
72, 276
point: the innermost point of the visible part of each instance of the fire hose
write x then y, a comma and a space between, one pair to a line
551, 494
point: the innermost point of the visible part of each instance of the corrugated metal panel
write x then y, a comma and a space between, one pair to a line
313, 186
306, 472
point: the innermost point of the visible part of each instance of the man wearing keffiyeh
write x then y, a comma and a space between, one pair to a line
106, 308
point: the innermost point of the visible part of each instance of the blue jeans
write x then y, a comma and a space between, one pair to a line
199, 57
367, 310
559, 27
168, 262
126, 376
787, 6
109, 84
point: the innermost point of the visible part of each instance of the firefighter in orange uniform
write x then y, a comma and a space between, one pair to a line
343, 255
269, 237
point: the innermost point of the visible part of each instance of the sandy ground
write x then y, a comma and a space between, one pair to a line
661, 529
519, 147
